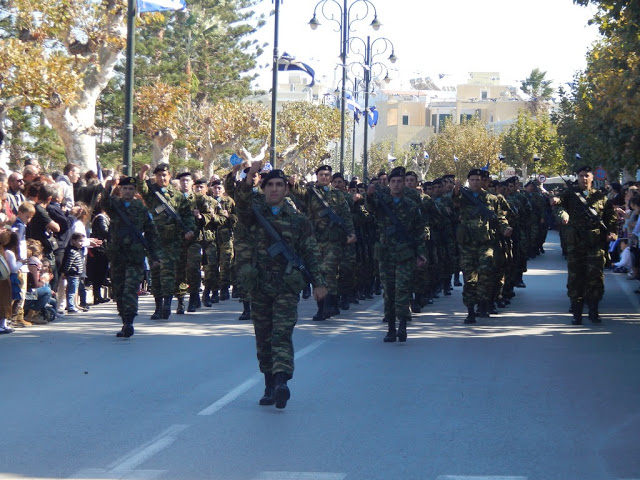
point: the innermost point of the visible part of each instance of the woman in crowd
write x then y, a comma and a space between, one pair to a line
97, 262
5, 284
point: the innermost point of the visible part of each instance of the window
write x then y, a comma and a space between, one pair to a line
485, 95
405, 119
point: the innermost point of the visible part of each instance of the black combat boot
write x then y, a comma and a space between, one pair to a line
353, 298
234, 292
269, 390
319, 316
415, 305
193, 302
491, 308
377, 287
331, 306
456, 280
157, 314
402, 330
391, 335
483, 310
246, 311
214, 296
500, 303
520, 282
224, 293
344, 302
166, 307
180, 307
127, 327
306, 291
206, 297
471, 315
594, 315
281, 390
576, 310
446, 288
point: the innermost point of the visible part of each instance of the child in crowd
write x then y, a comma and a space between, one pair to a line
38, 289
26, 211
625, 264
73, 269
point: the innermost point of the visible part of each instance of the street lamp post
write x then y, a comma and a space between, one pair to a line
347, 17
368, 52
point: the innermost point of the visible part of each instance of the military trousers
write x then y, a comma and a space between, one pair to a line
188, 276
585, 266
274, 314
396, 277
331, 255
225, 259
163, 276
126, 277
477, 265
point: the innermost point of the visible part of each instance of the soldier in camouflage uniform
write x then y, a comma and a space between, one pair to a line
224, 238
402, 245
188, 276
127, 271
476, 238
273, 284
586, 235
347, 266
520, 204
363, 224
537, 225
163, 277
331, 236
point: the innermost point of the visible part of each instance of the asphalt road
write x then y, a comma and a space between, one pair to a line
520, 396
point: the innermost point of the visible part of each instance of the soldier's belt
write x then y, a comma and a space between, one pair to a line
271, 275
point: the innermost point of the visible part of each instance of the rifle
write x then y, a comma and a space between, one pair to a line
587, 210
166, 208
396, 228
481, 209
328, 211
280, 247
131, 228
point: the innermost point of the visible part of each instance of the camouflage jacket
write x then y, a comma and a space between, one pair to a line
475, 228
125, 243
167, 227
204, 204
583, 228
228, 222
293, 227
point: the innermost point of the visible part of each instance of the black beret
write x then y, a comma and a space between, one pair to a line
585, 168
397, 172
411, 173
337, 175
513, 179
200, 181
183, 174
475, 171
271, 175
127, 181
353, 184
162, 167
437, 181
361, 185
216, 182
381, 173
484, 173
427, 184
449, 175
323, 167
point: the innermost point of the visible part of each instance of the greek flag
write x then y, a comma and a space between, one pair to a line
267, 167
391, 158
426, 156
352, 104
455, 159
486, 167
372, 118
288, 62
160, 5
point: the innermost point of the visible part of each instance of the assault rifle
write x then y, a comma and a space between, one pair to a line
280, 247
328, 211
481, 209
133, 230
396, 228
588, 211
166, 207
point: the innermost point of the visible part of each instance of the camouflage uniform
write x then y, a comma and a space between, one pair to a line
127, 270
586, 246
273, 289
163, 277
224, 239
448, 254
398, 255
476, 237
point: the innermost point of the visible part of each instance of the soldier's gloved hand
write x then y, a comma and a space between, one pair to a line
420, 261
188, 235
351, 239
319, 293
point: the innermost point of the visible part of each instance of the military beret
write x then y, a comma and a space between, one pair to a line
484, 173
162, 167
200, 181
124, 181
361, 185
353, 184
437, 181
183, 174
513, 179
494, 183
531, 182
397, 172
585, 168
381, 173
427, 184
337, 175
411, 173
323, 168
474, 171
215, 182
448, 176
271, 175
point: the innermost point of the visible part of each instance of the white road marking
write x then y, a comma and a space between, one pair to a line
300, 476
475, 477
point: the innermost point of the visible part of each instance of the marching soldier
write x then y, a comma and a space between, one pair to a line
134, 232
401, 249
589, 222
174, 219
224, 237
275, 282
331, 219
480, 218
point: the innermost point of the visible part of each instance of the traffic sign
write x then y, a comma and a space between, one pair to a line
600, 173
542, 178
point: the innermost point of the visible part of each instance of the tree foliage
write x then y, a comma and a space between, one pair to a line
539, 90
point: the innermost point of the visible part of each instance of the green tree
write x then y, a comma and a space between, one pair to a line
539, 90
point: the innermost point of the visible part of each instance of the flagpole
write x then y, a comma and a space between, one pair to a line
127, 164
274, 87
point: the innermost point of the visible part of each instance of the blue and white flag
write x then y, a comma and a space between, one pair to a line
391, 158
455, 159
351, 104
372, 118
160, 5
426, 156
267, 167
235, 160
288, 62
486, 167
